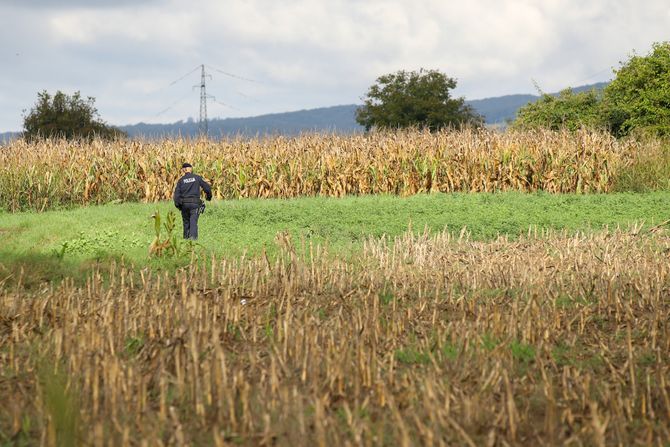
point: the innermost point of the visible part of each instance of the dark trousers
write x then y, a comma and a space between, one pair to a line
189, 217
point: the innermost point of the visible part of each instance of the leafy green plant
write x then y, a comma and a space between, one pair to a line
170, 245
133, 345
59, 253
567, 110
489, 342
647, 359
386, 297
99, 241
450, 351
522, 352
562, 355
410, 356
636, 102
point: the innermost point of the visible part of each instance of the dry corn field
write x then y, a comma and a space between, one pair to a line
39, 176
551, 339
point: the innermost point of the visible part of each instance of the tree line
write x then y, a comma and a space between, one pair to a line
637, 101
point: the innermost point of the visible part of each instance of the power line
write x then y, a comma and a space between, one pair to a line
173, 104
183, 77
176, 80
234, 75
227, 105
244, 95
604, 70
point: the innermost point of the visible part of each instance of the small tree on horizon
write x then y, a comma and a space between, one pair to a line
65, 116
415, 99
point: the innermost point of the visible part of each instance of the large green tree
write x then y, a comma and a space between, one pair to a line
65, 116
415, 99
638, 99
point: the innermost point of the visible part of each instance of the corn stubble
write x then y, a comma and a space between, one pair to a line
49, 174
550, 339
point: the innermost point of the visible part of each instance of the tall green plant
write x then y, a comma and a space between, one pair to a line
170, 245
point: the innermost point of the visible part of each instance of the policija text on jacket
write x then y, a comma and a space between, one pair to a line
187, 199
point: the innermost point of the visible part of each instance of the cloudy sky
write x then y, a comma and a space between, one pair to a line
303, 53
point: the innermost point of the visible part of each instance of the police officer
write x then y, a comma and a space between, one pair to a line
187, 199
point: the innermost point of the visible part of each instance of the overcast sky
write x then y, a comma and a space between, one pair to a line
303, 54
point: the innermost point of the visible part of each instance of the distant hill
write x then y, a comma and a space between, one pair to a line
9, 136
501, 109
339, 119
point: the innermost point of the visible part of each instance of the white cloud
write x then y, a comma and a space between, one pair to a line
88, 27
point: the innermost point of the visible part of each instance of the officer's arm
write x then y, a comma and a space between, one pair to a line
176, 197
207, 188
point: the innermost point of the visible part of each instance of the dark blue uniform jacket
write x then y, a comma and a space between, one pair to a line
188, 190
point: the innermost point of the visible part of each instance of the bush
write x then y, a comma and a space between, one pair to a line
568, 110
636, 102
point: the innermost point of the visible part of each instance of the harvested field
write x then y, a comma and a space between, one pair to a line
548, 339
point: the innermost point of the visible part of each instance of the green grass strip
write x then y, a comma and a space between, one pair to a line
229, 228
